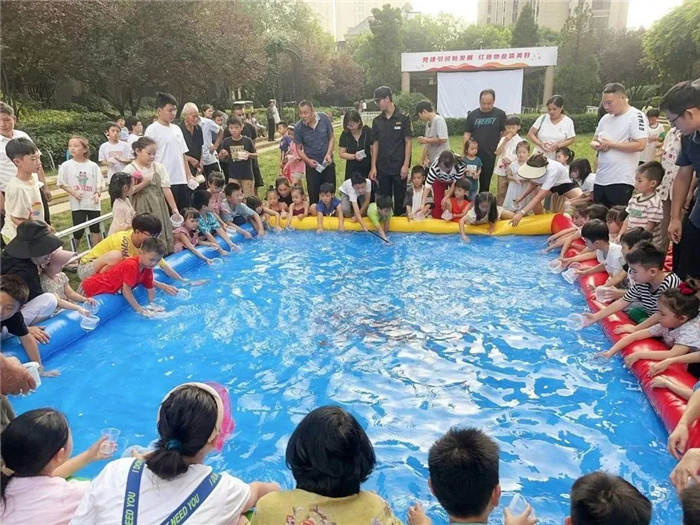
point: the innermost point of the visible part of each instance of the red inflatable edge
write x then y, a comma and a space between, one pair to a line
668, 405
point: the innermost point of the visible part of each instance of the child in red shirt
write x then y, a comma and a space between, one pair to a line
459, 205
128, 274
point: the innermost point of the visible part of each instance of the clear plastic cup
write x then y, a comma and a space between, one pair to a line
570, 275
447, 215
361, 154
602, 294
217, 262
89, 323
33, 368
92, 308
575, 321
109, 446
320, 167
177, 220
555, 266
518, 505
192, 184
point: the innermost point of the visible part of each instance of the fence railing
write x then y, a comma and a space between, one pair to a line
85, 227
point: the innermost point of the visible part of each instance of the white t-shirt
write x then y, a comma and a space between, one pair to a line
129, 141
348, 189
555, 175
158, 498
437, 129
649, 152
170, 148
507, 156
614, 166
417, 199
614, 261
85, 177
549, 132
7, 167
148, 172
471, 216
22, 201
108, 150
587, 185
210, 130
42, 499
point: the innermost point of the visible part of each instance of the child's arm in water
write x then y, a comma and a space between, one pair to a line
319, 216
128, 294
562, 233
181, 237
613, 308
462, 233
586, 256
568, 241
222, 233
259, 489
686, 359
675, 351
624, 343
267, 212
600, 267
380, 230
212, 242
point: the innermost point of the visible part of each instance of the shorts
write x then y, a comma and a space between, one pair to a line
81, 216
612, 194
563, 189
86, 270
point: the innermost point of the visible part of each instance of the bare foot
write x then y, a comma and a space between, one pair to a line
417, 516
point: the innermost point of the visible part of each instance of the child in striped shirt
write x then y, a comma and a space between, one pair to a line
645, 209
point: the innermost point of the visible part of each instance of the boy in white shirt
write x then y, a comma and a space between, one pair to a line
115, 154
609, 255
355, 196
506, 155
654, 130
135, 127
171, 148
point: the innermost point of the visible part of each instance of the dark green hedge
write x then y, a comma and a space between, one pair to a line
584, 123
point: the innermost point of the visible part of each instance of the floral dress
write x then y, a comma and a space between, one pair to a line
671, 149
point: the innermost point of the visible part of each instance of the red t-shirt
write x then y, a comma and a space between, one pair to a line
458, 208
126, 272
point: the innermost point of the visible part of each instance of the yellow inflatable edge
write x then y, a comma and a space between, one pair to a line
531, 225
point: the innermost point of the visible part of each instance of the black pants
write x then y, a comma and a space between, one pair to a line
211, 168
183, 196
686, 254
80, 216
271, 129
393, 186
314, 179
257, 175
612, 194
488, 163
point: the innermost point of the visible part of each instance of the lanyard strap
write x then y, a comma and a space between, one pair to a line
131, 497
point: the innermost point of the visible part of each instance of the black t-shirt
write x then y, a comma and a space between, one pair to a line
194, 141
238, 169
391, 134
25, 269
248, 131
486, 129
15, 325
352, 146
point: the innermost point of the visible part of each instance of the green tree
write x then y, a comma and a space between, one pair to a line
476, 37
347, 81
525, 30
423, 33
385, 44
577, 73
672, 45
621, 59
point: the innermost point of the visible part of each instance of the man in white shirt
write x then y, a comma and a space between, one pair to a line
619, 138
436, 136
8, 168
171, 148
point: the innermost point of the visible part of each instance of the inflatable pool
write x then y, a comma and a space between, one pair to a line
668, 405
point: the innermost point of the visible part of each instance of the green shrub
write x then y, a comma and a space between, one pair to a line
52, 139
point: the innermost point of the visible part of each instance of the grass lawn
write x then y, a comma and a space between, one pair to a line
269, 166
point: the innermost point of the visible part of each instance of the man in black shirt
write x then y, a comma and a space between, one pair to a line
391, 149
485, 125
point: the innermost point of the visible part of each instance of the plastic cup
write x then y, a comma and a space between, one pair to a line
575, 321
33, 368
570, 275
320, 167
183, 294
575, 265
602, 293
555, 266
109, 446
92, 308
192, 184
447, 215
89, 323
177, 220
217, 262
361, 154
518, 505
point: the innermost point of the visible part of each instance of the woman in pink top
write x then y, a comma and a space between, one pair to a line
36, 447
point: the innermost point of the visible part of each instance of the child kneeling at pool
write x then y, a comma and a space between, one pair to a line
208, 223
173, 478
484, 210
464, 478
328, 206
128, 274
380, 214
458, 204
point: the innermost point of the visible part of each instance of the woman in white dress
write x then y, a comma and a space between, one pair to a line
553, 130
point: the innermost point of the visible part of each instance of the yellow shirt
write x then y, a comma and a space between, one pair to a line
120, 242
305, 508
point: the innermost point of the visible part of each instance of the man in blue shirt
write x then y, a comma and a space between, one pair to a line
315, 139
682, 107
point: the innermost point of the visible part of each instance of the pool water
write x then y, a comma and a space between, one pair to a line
411, 338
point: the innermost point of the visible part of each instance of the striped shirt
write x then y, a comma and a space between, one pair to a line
642, 292
641, 210
435, 173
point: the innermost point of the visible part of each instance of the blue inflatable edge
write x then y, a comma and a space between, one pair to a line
64, 328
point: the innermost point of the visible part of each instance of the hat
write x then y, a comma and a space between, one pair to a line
33, 240
59, 258
382, 92
531, 172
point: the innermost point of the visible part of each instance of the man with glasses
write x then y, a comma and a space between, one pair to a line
682, 107
391, 149
620, 137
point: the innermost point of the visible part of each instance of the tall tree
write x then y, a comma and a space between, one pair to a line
525, 30
672, 45
423, 33
385, 45
347, 81
475, 37
621, 59
577, 73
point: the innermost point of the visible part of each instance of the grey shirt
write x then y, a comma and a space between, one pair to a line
315, 140
436, 129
